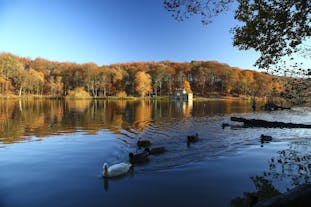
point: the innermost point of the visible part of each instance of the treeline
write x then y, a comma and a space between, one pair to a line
21, 76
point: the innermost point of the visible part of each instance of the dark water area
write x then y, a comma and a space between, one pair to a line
52, 153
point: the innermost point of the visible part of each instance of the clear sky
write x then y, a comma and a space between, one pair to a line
114, 31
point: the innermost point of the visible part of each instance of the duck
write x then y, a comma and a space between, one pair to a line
193, 138
143, 143
265, 138
139, 158
224, 125
157, 150
116, 169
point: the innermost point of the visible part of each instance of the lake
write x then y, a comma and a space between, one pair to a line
52, 153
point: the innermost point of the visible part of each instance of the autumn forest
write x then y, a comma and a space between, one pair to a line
20, 76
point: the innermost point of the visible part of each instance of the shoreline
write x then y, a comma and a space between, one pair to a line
130, 98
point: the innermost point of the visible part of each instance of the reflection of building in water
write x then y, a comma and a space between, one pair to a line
185, 107
181, 94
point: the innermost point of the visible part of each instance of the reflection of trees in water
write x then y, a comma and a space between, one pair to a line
221, 107
78, 105
291, 166
6, 124
45, 117
143, 115
23, 118
40, 118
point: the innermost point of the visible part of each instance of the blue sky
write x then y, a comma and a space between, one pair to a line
114, 31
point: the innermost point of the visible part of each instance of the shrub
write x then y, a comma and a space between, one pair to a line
121, 94
278, 101
78, 93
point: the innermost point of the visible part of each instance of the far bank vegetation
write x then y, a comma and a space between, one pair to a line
20, 77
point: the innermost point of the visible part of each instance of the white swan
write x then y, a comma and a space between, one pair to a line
116, 169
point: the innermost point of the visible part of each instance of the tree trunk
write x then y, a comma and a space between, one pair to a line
155, 90
20, 91
105, 91
249, 123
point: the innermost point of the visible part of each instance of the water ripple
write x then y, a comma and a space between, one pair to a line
214, 141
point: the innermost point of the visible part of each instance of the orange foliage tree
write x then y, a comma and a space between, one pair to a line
143, 83
187, 86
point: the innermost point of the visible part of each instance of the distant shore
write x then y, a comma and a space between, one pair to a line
164, 98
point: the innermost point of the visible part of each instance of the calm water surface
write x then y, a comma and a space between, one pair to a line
52, 152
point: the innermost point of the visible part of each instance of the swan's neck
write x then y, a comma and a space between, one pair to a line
106, 170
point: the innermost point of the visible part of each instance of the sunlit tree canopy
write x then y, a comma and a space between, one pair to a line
279, 30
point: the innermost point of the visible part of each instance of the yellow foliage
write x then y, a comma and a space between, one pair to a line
143, 83
37, 75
